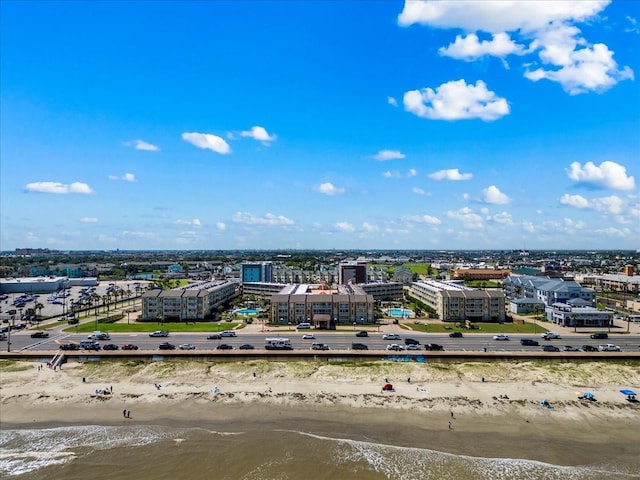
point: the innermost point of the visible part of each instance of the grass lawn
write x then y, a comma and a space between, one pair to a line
491, 328
212, 327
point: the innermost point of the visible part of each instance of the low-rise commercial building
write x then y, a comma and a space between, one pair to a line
577, 316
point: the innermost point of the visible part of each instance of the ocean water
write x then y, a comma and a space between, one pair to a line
160, 452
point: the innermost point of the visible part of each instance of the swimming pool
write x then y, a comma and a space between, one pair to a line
247, 311
399, 312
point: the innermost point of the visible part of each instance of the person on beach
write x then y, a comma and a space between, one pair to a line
450, 427
124, 413
128, 413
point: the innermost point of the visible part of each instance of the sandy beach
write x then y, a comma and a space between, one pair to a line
441, 406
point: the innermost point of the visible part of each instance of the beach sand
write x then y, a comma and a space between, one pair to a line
346, 401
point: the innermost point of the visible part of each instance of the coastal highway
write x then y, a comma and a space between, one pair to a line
21, 341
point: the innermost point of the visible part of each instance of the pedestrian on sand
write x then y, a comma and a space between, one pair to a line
124, 413
450, 425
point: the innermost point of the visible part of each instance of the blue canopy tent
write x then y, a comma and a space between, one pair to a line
631, 395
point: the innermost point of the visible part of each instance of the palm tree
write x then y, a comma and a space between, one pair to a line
38, 308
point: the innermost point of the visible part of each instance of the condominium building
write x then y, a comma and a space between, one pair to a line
453, 302
192, 302
257, 272
352, 272
548, 290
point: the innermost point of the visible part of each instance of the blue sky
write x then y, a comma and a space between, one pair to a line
347, 125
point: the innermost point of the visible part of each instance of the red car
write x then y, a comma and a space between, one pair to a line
129, 346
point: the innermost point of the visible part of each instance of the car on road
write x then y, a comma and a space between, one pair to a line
166, 346
609, 347
20, 326
246, 346
527, 342
570, 348
549, 335
501, 336
73, 321
129, 346
110, 346
455, 334
187, 346
40, 335
550, 348
319, 346
433, 346
362, 334
599, 336
69, 346
159, 333
308, 336
395, 346
224, 346
3, 336
359, 346
214, 336
413, 347
411, 341
589, 348
99, 336
391, 336
228, 333
90, 345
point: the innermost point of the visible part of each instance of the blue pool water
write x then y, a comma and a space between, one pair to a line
247, 311
399, 312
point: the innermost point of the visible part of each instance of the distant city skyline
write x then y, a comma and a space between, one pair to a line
457, 125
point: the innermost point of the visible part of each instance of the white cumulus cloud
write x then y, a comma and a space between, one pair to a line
194, 223
419, 191
89, 220
456, 100
470, 47
392, 101
468, 217
384, 155
576, 201
207, 141
59, 188
412, 172
452, 174
607, 175
329, 188
344, 227
428, 219
258, 133
269, 219
127, 177
221, 226
493, 195
142, 145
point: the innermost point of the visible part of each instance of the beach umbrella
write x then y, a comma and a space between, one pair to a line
588, 395
628, 392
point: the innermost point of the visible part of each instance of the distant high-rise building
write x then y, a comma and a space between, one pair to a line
257, 272
352, 272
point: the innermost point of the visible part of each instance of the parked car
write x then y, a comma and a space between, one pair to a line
110, 346
391, 336
166, 346
395, 346
501, 336
433, 346
359, 346
570, 348
308, 336
69, 346
187, 346
362, 334
549, 335
73, 321
40, 335
527, 342
455, 334
224, 346
609, 347
214, 336
589, 348
599, 336
246, 346
159, 333
129, 346
319, 346
550, 348
411, 341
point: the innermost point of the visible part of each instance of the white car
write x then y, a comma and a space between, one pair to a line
187, 346
228, 333
413, 347
609, 347
549, 335
501, 336
308, 336
391, 336
396, 347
